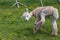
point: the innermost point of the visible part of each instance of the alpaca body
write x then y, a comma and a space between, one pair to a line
40, 13
47, 10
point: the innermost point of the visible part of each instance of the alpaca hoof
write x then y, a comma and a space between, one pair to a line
54, 34
33, 33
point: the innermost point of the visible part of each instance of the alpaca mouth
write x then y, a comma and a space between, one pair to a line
26, 20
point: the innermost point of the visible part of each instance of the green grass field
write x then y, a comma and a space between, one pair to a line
13, 27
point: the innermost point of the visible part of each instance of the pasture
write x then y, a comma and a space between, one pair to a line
13, 27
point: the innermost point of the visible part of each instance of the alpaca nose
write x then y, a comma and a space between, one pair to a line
26, 20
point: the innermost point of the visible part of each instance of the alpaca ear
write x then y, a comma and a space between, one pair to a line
27, 10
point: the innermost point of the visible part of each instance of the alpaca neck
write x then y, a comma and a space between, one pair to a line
31, 14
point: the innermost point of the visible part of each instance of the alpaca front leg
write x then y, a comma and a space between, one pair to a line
36, 27
55, 29
39, 24
37, 19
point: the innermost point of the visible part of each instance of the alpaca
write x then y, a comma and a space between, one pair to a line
40, 13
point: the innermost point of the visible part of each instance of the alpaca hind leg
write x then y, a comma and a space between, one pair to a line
54, 24
55, 29
36, 27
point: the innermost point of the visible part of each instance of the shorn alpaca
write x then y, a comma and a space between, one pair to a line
40, 13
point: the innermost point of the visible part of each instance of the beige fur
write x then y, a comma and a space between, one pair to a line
40, 13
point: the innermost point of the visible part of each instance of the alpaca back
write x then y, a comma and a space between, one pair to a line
47, 10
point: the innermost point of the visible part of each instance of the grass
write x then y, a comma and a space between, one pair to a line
13, 27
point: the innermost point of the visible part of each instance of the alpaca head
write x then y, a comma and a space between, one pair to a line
26, 16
